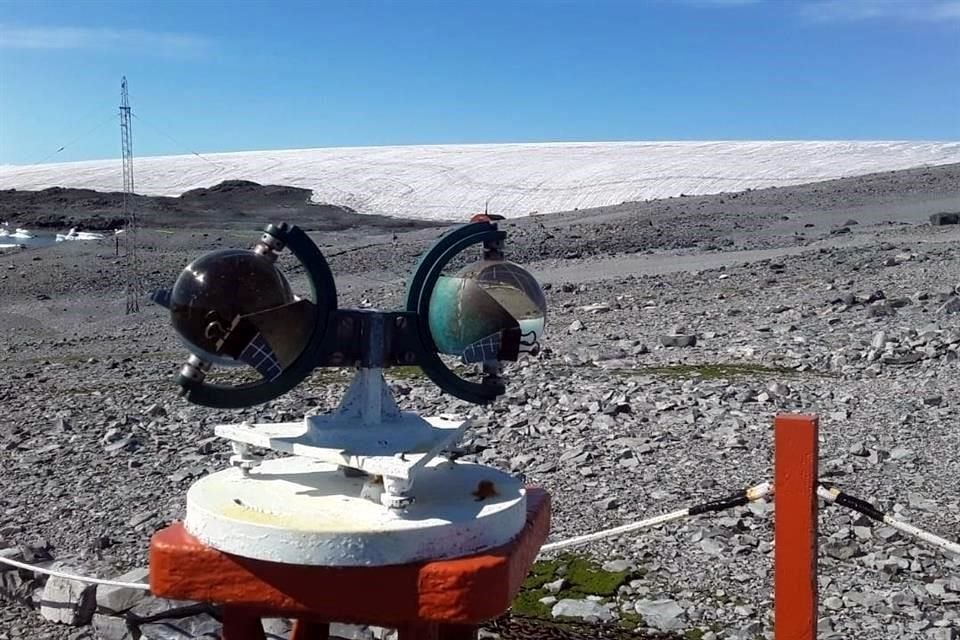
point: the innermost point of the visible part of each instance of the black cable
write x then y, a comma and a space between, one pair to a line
852, 502
738, 499
176, 142
99, 125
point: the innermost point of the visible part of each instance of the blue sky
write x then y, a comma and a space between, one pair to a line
211, 76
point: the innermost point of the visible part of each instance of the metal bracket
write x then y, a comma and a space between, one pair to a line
367, 432
369, 338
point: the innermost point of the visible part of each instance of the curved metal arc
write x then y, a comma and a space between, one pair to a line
418, 300
324, 292
434, 253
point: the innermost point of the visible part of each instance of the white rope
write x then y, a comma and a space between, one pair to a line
926, 536
752, 494
73, 576
832, 495
616, 531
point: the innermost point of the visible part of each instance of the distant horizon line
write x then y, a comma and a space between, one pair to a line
507, 144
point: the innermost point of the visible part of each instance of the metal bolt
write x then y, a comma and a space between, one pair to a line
272, 241
195, 368
268, 246
400, 503
241, 457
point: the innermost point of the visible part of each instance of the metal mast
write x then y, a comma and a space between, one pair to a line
132, 266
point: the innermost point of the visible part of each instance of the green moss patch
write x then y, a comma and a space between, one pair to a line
527, 604
542, 572
404, 373
631, 620
589, 579
342, 375
717, 371
582, 577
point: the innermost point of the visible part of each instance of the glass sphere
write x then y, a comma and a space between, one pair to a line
482, 301
216, 288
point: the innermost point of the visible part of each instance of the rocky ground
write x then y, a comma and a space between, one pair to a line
836, 298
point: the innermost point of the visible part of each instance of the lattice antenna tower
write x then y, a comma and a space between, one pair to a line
132, 267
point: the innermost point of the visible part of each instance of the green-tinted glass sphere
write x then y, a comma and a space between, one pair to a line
482, 300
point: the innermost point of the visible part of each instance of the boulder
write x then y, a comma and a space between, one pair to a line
581, 609
115, 599
941, 219
67, 601
664, 615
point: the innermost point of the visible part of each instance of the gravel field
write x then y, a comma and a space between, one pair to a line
834, 298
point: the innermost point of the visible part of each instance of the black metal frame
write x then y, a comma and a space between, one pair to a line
364, 338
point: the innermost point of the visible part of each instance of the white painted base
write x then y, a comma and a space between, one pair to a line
301, 511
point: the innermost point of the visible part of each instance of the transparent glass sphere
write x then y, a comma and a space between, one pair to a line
484, 300
217, 288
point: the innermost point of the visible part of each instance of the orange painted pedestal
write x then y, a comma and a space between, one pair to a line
438, 600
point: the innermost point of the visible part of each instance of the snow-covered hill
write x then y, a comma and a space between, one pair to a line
450, 181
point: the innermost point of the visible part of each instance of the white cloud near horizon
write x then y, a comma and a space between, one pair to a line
100, 38
852, 10
903, 10
720, 3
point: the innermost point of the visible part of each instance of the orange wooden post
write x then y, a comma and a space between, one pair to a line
795, 527
308, 630
458, 632
431, 600
417, 632
239, 624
